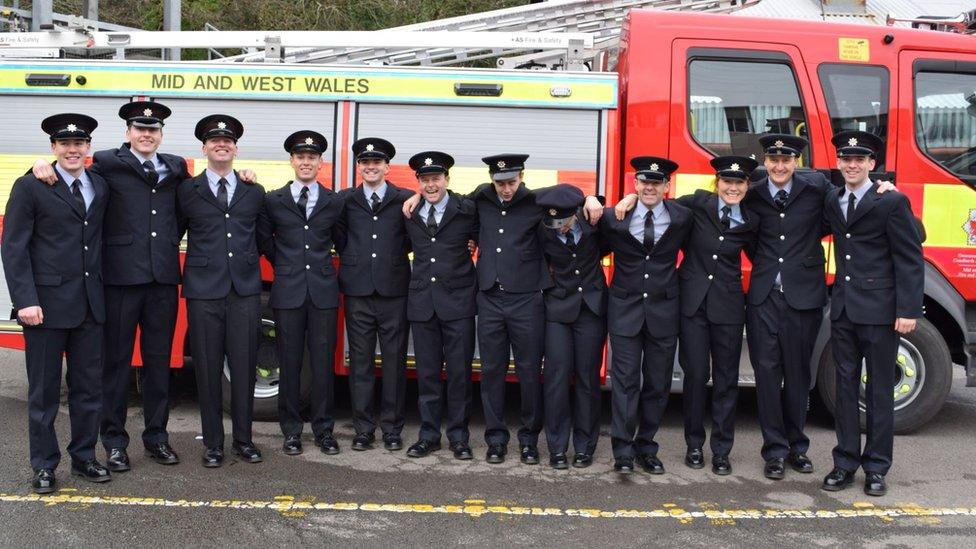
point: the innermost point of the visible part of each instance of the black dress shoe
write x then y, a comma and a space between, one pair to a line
118, 460
624, 466
213, 457
92, 471
44, 481
837, 479
650, 464
162, 453
292, 446
362, 441
800, 463
496, 453
328, 444
461, 451
247, 452
582, 461
529, 455
721, 465
695, 458
874, 484
774, 469
423, 448
392, 442
558, 461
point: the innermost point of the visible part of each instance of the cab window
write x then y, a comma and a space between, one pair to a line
731, 103
857, 99
945, 120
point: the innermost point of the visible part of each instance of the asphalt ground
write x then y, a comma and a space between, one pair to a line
379, 498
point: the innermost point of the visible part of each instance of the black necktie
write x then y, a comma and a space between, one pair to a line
726, 217
303, 201
570, 241
76, 191
374, 201
431, 220
649, 229
222, 192
780, 199
851, 205
151, 172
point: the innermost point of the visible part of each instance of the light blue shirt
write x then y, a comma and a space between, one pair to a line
438, 209
859, 193
87, 189
575, 232
368, 192
213, 178
161, 168
661, 219
735, 216
313, 195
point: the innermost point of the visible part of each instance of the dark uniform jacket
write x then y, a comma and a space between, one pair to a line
222, 246
301, 249
444, 281
577, 275
373, 246
634, 297
508, 245
711, 271
52, 251
795, 236
880, 270
142, 240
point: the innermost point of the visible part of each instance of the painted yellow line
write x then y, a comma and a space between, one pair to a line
292, 506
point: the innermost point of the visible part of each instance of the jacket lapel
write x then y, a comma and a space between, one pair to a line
284, 195
320, 203
391, 191
870, 200
450, 210
203, 189
126, 156
711, 210
668, 233
101, 191
239, 192
62, 191
798, 185
833, 204
761, 188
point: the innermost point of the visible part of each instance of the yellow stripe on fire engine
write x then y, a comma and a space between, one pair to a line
946, 215
12, 166
333, 84
688, 183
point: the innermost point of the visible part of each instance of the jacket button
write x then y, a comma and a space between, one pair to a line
498, 250
154, 212
154, 191
86, 248
86, 273
711, 277
433, 260
230, 254
433, 279
579, 289
714, 256
86, 223
504, 212
848, 235
307, 267
153, 234
228, 217
647, 258
847, 278
375, 218
848, 256
646, 275
501, 231
432, 239
781, 260
228, 235
574, 255
721, 238
645, 294
782, 215
576, 271
306, 227
374, 254
782, 237
374, 237
306, 246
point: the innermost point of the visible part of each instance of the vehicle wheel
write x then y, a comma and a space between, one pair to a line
923, 377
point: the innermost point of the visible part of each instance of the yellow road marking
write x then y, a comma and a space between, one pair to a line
290, 506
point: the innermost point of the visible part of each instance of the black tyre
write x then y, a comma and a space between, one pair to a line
923, 378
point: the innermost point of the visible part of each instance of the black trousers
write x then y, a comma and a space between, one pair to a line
225, 328
574, 349
368, 319
151, 308
444, 345
511, 323
701, 340
43, 348
781, 341
298, 329
640, 382
876, 347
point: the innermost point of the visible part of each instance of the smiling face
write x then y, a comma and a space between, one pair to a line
780, 168
855, 169
145, 141
506, 188
731, 191
220, 149
651, 192
306, 165
433, 186
372, 171
71, 153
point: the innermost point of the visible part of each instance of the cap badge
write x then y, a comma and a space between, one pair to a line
222, 125
852, 141
309, 141
370, 147
779, 143
553, 212
654, 167
72, 128
147, 112
428, 162
501, 164
734, 167
752, 156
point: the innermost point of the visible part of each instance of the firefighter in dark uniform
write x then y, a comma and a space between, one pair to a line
374, 276
441, 305
52, 260
576, 326
297, 239
877, 295
643, 312
222, 286
713, 307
